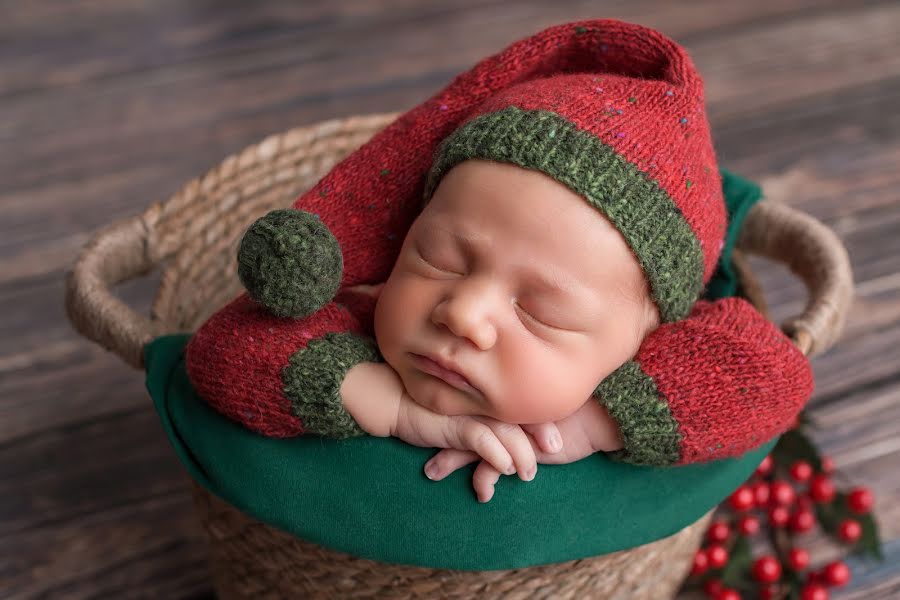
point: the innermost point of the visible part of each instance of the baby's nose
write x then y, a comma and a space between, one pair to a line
470, 316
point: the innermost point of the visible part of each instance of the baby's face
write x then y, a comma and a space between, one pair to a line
474, 285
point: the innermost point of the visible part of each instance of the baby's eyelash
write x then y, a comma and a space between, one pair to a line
535, 319
422, 259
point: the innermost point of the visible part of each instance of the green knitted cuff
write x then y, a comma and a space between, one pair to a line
312, 380
649, 431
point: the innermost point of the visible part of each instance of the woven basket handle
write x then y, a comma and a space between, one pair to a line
814, 253
119, 252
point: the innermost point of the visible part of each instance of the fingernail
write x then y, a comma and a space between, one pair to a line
555, 443
510, 469
529, 474
430, 471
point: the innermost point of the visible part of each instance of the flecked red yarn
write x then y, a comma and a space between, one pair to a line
729, 378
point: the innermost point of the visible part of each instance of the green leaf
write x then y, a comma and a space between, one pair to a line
736, 572
794, 582
830, 514
794, 445
870, 542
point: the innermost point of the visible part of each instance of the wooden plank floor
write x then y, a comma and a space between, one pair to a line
107, 106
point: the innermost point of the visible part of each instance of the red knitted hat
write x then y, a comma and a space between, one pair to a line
631, 136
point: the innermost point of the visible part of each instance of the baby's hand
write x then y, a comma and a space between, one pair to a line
486, 476
588, 430
506, 447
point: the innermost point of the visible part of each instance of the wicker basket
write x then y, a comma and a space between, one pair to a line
193, 237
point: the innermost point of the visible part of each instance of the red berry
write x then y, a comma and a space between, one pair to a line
860, 500
728, 594
712, 587
748, 525
849, 530
801, 471
804, 502
760, 493
781, 492
798, 558
836, 573
767, 569
742, 498
814, 591
778, 516
718, 532
827, 465
717, 555
765, 467
802, 521
821, 489
701, 563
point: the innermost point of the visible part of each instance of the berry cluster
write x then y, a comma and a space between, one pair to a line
791, 491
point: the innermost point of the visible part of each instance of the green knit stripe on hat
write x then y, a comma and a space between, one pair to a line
648, 218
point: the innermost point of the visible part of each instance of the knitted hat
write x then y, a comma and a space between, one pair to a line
613, 110
632, 138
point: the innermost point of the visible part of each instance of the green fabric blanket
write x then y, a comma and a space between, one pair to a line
369, 497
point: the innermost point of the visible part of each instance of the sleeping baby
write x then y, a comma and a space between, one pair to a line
512, 271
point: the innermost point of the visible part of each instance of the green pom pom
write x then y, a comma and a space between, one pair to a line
290, 262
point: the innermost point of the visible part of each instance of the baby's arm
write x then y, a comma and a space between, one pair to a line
715, 385
323, 374
374, 395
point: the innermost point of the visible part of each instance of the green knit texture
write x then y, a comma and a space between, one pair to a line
312, 381
649, 432
648, 218
290, 263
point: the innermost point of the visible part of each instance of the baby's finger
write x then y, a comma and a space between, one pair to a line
448, 460
471, 433
516, 441
483, 480
546, 435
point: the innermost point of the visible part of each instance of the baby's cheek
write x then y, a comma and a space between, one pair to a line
389, 321
540, 386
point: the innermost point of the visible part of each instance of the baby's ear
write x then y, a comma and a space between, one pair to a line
652, 317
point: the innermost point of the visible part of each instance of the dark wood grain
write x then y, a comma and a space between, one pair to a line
108, 106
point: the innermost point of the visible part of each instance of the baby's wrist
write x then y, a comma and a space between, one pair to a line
603, 431
371, 394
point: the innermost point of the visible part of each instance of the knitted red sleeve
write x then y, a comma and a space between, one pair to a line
241, 361
721, 382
